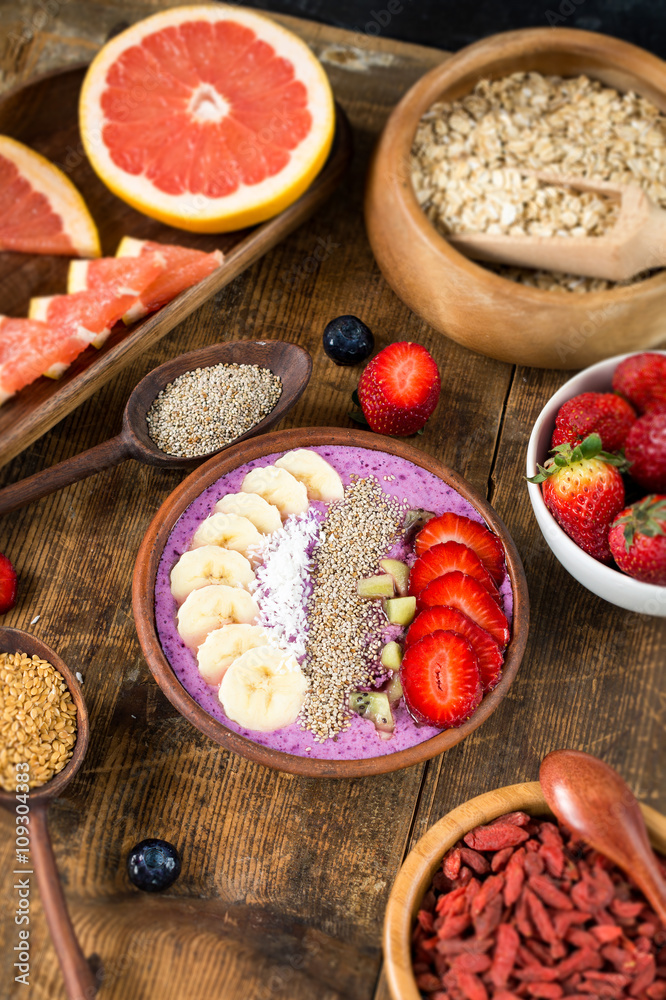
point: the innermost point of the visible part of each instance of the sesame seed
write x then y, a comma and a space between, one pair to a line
206, 408
345, 630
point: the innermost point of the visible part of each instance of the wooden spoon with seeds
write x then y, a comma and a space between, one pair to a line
80, 981
637, 241
292, 364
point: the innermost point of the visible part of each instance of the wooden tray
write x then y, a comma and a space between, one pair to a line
43, 114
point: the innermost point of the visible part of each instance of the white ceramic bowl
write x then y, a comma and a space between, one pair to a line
605, 582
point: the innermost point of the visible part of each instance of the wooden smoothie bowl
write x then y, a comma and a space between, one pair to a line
424, 859
467, 302
143, 600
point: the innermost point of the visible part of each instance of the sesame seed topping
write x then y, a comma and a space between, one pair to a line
206, 408
345, 636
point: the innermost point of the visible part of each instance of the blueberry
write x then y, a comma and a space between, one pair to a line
153, 865
348, 341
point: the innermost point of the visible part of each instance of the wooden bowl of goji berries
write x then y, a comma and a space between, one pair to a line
497, 902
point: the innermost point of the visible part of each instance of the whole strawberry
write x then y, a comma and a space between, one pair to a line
645, 448
638, 539
399, 389
8, 585
603, 413
642, 379
583, 489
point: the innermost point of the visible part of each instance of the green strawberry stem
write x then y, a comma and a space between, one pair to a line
647, 517
564, 455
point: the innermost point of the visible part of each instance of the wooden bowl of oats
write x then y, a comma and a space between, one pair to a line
543, 99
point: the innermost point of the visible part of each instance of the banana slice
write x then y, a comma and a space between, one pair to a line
264, 516
229, 531
225, 645
212, 607
319, 478
208, 565
277, 486
263, 689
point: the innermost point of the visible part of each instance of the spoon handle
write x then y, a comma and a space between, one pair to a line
79, 980
102, 456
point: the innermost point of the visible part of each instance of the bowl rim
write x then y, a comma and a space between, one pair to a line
422, 861
426, 90
13, 640
571, 551
176, 503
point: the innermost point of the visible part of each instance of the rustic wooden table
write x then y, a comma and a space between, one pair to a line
285, 879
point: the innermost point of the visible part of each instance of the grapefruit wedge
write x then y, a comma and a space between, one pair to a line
30, 348
40, 209
182, 268
117, 276
208, 118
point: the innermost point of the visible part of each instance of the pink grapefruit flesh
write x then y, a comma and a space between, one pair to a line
209, 118
182, 269
40, 209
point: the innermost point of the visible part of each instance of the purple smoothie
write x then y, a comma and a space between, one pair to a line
411, 483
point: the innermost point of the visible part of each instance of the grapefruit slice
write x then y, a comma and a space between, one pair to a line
182, 269
30, 348
86, 317
40, 209
208, 118
119, 277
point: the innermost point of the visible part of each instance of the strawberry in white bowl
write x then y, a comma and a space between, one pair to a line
641, 382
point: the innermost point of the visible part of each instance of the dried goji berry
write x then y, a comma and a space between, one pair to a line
550, 991
549, 893
426, 920
476, 861
645, 972
492, 887
495, 837
471, 986
504, 958
451, 864
500, 858
540, 918
553, 857
470, 962
513, 884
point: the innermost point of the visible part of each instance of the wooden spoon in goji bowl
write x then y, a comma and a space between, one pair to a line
594, 801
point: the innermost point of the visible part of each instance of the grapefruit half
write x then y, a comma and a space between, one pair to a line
40, 209
208, 118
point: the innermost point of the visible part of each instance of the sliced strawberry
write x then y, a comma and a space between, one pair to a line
452, 527
463, 592
446, 558
487, 650
398, 390
440, 679
8, 585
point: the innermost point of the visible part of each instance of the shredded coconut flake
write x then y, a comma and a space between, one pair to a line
283, 581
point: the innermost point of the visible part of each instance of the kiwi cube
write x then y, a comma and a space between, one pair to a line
400, 573
376, 586
400, 610
391, 656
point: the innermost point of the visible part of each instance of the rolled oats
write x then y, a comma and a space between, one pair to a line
468, 156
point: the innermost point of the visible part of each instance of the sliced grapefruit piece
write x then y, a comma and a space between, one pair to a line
117, 276
182, 269
30, 348
40, 209
86, 316
209, 118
